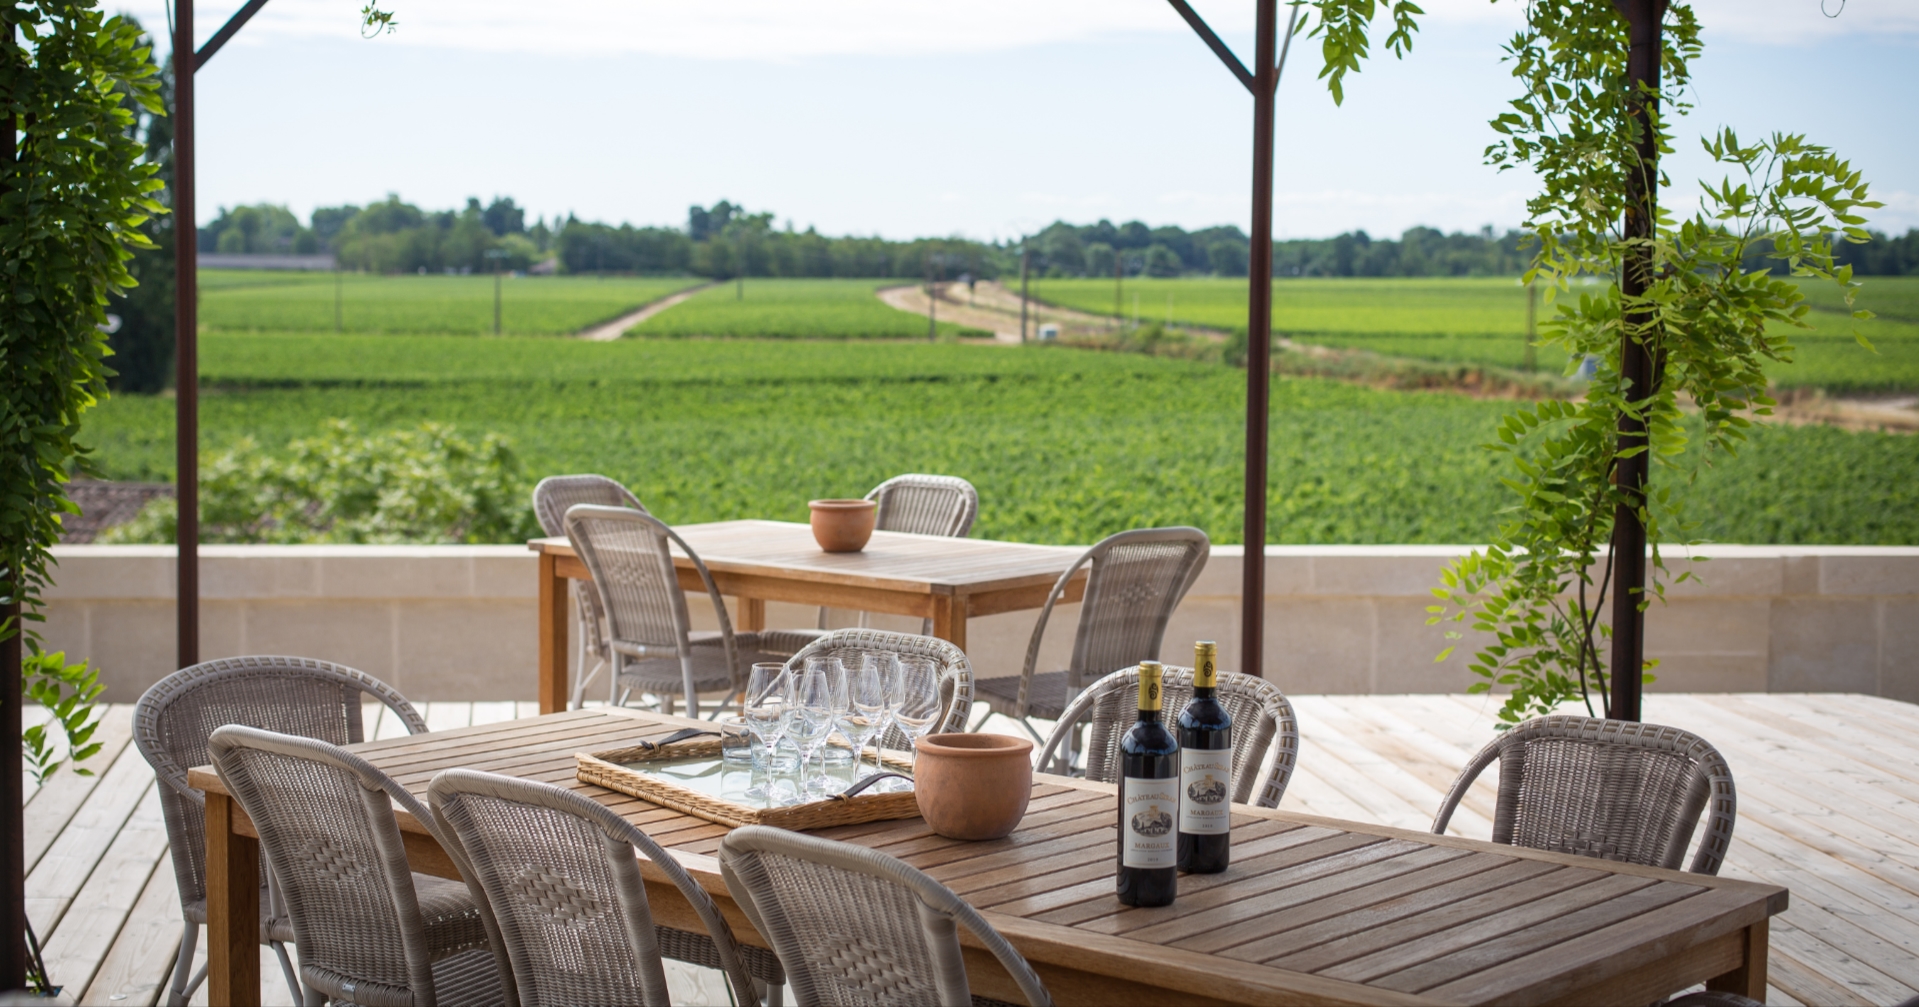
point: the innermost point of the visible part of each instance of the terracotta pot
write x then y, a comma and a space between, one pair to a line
843, 525
973, 786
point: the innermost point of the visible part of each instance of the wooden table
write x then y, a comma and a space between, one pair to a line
1312, 911
946, 580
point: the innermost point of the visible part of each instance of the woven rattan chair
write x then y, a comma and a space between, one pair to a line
1265, 731
551, 498
559, 874
1137, 579
369, 930
956, 673
1611, 789
655, 651
915, 504
855, 927
171, 725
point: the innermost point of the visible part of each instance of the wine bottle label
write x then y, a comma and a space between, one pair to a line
1206, 788
1149, 811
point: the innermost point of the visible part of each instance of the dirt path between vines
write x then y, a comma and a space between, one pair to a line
617, 327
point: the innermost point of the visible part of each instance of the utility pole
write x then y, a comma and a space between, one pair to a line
495, 255
1118, 259
932, 303
1636, 365
1532, 328
186, 335
1025, 261
338, 293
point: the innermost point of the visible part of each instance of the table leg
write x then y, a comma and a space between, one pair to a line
949, 619
1748, 980
553, 672
752, 615
233, 908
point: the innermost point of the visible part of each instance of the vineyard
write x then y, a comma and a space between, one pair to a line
791, 309
1483, 321
1065, 446
256, 301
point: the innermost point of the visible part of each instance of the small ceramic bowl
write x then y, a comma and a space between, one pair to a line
843, 525
973, 786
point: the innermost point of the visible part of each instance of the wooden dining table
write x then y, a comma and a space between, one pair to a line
1312, 910
947, 580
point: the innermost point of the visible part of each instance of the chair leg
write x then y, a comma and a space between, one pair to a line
179, 991
775, 994
286, 969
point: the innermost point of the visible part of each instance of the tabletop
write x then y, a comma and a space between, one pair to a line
1312, 909
895, 561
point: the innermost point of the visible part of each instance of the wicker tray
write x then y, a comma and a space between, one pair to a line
611, 769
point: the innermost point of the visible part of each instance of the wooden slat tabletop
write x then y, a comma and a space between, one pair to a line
1312, 909
893, 561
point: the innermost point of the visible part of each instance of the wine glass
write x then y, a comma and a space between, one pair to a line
766, 713
916, 703
866, 703
815, 705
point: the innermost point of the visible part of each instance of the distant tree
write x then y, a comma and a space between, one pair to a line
1099, 259
1133, 234
1160, 260
328, 220
503, 218
263, 229
1227, 258
142, 343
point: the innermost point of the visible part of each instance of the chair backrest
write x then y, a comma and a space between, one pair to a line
629, 554
555, 495
288, 695
1612, 789
926, 505
955, 671
327, 830
558, 871
1137, 579
855, 927
1265, 731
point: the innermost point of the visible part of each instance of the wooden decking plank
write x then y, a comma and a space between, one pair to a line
1427, 769
75, 949
50, 807
1390, 795
1888, 722
1312, 794
1817, 729
139, 964
1439, 760
1818, 973
58, 877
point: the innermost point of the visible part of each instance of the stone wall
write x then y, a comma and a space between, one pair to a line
458, 622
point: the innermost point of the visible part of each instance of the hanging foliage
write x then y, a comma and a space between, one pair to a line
73, 194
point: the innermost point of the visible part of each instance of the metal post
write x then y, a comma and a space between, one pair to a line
338, 293
1025, 259
1119, 320
1636, 366
1259, 344
13, 840
186, 326
496, 300
932, 303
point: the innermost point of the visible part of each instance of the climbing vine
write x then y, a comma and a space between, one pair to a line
1710, 327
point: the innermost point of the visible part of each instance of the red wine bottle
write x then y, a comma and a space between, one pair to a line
1205, 770
1148, 802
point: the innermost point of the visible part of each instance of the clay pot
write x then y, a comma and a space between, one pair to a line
843, 525
973, 786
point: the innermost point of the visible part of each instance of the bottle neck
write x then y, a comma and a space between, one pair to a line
1204, 692
1149, 716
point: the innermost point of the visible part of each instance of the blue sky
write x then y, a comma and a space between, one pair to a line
988, 119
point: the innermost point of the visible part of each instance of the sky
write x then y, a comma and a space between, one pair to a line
987, 120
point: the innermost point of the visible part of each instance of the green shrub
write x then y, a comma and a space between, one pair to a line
420, 486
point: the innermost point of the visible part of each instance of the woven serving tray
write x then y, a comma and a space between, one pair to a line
607, 769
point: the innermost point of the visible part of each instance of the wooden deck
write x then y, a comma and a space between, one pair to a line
1828, 806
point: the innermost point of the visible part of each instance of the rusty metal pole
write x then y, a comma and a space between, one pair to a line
186, 328
1259, 344
1636, 365
13, 839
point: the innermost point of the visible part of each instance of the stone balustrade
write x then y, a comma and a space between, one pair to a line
459, 622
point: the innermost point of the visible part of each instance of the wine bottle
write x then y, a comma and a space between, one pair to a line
1205, 770
1148, 802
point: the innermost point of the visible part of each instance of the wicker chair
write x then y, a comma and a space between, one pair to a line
1611, 789
369, 930
1265, 731
559, 875
551, 498
856, 927
1137, 579
655, 651
956, 673
171, 725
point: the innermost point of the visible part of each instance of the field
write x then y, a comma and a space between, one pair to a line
790, 309
1484, 321
234, 300
1064, 445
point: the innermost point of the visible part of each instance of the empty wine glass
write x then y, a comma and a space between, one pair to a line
767, 715
916, 703
816, 704
866, 703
